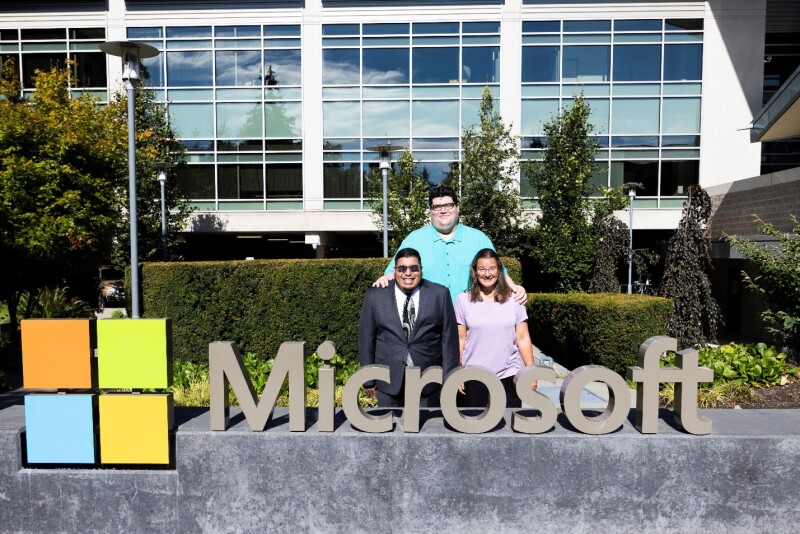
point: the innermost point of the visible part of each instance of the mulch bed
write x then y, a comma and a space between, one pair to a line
787, 396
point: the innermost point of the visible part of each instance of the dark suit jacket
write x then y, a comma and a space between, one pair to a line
381, 339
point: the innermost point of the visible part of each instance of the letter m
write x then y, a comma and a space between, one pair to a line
227, 370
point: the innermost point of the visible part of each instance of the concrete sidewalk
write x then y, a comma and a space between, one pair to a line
593, 396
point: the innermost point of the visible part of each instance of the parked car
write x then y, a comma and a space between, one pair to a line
110, 287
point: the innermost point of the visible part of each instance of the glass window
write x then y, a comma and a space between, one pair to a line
237, 31
540, 64
341, 67
634, 141
285, 180
387, 118
683, 62
680, 140
535, 113
87, 33
480, 64
598, 115
283, 119
599, 178
427, 28
681, 116
634, 116
637, 25
282, 67
341, 119
643, 172
341, 180
41, 34
481, 27
196, 181
549, 26
8, 35
239, 120
145, 33
283, 30
240, 182
90, 70
152, 71
238, 68
586, 63
587, 26
435, 118
186, 69
385, 65
435, 172
385, 29
189, 31
677, 176
192, 120
340, 29
684, 24
637, 62
435, 65
44, 62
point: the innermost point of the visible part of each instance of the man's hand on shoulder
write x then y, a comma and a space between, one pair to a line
383, 281
520, 295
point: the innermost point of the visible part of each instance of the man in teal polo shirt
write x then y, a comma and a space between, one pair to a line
447, 247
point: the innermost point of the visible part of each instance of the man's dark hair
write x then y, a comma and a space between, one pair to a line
407, 252
442, 191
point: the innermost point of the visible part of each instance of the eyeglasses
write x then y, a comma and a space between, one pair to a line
443, 207
485, 270
412, 268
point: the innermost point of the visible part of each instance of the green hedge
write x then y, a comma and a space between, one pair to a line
259, 304
605, 329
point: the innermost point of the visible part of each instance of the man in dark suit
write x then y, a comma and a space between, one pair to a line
410, 322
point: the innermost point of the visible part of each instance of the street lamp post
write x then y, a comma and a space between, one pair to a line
385, 154
161, 167
631, 196
131, 52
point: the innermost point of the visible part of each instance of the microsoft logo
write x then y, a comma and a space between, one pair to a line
79, 423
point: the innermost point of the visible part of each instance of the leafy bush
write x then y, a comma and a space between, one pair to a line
777, 279
259, 304
49, 303
717, 395
753, 365
603, 328
190, 384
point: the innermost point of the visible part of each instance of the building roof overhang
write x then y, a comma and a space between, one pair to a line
780, 117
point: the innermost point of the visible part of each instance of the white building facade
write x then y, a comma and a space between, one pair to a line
278, 102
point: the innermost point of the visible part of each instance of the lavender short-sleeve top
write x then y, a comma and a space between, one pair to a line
491, 333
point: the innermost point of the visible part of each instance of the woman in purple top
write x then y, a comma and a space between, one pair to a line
492, 330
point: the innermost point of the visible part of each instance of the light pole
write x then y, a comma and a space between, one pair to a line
131, 52
385, 154
632, 186
161, 167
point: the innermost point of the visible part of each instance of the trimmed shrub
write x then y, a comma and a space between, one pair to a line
603, 328
259, 304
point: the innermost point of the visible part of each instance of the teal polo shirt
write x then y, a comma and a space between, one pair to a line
446, 262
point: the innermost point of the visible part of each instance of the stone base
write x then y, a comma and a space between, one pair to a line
738, 479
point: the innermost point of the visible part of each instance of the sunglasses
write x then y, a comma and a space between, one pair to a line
412, 268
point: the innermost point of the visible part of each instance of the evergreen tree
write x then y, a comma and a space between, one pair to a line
564, 242
697, 315
407, 199
488, 183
